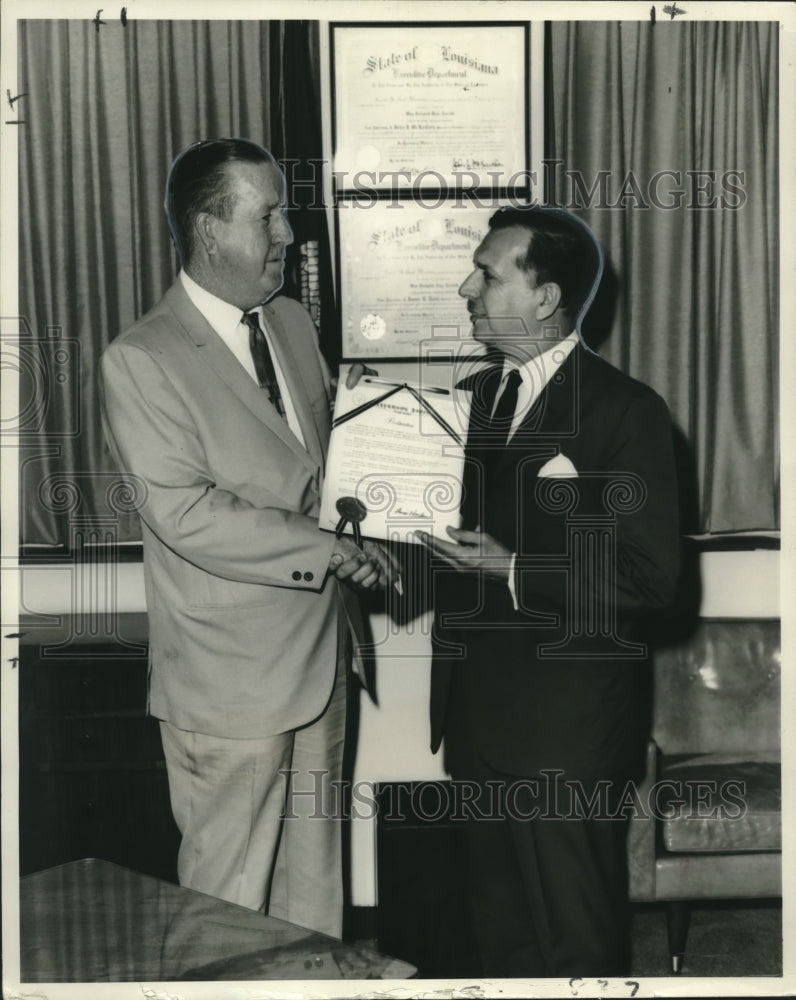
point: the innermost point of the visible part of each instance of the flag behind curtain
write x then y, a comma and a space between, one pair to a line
696, 311
106, 112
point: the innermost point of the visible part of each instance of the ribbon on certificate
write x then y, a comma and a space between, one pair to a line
351, 511
397, 387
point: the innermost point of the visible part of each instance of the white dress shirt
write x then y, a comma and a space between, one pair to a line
225, 319
534, 376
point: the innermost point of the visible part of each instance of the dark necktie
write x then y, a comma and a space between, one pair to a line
263, 362
500, 424
488, 437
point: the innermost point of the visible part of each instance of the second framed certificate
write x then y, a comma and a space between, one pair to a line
401, 266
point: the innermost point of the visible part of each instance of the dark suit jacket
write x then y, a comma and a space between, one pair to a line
560, 683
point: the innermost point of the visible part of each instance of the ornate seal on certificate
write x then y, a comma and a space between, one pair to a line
372, 327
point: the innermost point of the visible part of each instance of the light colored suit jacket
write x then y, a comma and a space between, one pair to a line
242, 620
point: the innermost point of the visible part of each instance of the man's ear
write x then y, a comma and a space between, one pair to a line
550, 300
205, 229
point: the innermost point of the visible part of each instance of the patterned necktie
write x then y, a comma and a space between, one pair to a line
502, 418
263, 362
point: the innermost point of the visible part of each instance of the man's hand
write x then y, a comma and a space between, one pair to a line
368, 568
350, 563
355, 373
391, 569
475, 552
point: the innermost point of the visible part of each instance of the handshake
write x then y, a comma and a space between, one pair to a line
368, 568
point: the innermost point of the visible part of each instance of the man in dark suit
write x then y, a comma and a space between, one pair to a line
569, 540
217, 402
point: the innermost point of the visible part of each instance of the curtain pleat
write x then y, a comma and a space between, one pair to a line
106, 114
695, 307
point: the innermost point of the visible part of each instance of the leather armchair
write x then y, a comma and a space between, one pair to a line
709, 822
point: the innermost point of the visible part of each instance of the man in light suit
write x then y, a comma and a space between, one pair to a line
569, 539
217, 400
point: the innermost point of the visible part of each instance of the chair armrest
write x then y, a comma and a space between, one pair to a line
642, 834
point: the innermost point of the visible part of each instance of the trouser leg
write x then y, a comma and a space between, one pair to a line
308, 883
574, 870
227, 797
503, 920
548, 888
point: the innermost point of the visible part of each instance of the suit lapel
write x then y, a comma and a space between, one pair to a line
299, 391
217, 355
556, 410
483, 385
554, 415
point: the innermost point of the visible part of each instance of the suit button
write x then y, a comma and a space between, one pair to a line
309, 576
296, 574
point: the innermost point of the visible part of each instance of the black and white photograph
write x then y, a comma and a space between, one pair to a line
397, 485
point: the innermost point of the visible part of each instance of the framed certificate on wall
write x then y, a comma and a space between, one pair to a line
430, 133
430, 105
400, 267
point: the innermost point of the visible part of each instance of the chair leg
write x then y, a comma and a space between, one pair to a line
677, 919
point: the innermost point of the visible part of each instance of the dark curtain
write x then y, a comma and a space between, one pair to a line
696, 304
106, 111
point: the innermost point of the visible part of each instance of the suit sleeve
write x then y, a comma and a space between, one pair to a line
153, 437
635, 488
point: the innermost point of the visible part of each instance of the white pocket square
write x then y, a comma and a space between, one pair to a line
558, 466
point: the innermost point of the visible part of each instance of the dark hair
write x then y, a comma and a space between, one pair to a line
198, 182
561, 248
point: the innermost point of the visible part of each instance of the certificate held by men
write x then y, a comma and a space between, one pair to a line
396, 458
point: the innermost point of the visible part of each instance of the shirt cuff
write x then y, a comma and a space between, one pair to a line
512, 582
